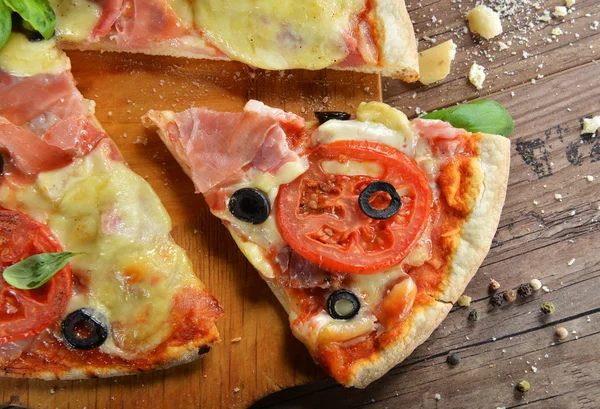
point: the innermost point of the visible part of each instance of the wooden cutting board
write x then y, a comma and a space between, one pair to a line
267, 358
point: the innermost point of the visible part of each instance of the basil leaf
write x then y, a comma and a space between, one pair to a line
38, 13
485, 116
5, 23
35, 271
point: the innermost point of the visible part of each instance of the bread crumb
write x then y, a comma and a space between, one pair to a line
437, 396
589, 178
558, 197
590, 125
559, 11
235, 340
570, 263
434, 63
485, 22
556, 31
477, 75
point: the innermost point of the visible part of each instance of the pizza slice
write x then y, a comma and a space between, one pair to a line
91, 284
360, 35
367, 229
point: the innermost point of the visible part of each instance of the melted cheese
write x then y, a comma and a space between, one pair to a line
21, 57
434, 63
76, 19
183, 10
279, 34
131, 266
352, 168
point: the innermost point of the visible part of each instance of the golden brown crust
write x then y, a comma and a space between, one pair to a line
474, 242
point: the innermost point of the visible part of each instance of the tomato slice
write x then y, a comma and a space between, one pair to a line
28, 312
319, 215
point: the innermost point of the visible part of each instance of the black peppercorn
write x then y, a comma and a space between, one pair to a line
453, 359
497, 299
474, 315
525, 290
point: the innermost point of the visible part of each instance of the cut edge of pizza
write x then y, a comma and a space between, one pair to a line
363, 285
128, 300
374, 36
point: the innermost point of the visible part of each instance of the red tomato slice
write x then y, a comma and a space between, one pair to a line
319, 216
28, 312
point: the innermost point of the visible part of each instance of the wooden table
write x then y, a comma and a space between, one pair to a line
537, 237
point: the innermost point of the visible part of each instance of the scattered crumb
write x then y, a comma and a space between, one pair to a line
477, 75
545, 289
590, 125
535, 202
485, 22
556, 31
558, 197
494, 285
235, 340
109, 113
236, 390
464, 300
51, 391
437, 396
533, 369
559, 11
589, 178
570, 263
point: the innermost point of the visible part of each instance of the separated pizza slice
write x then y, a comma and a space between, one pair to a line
367, 229
91, 284
361, 35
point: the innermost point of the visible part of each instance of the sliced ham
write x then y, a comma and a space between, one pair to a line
24, 99
444, 139
76, 135
137, 22
217, 145
27, 152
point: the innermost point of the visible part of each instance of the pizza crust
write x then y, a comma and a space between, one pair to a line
174, 356
474, 243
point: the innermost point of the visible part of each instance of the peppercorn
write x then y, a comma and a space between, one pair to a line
525, 290
535, 284
562, 333
453, 359
547, 308
497, 300
510, 295
523, 386
494, 285
474, 315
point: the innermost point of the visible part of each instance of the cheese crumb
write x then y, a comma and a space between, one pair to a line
589, 178
558, 197
590, 125
559, 11
477, 75
556, 31
434, 63
437, 396
485, 22
570, 263
235, 340
569, 3
503, 46
464, 300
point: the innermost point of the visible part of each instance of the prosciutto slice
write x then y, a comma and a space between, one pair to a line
218, 145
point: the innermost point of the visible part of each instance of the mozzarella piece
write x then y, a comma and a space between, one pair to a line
130, 264
352, 168
75, 19
335, 130
477, 75
280, 34
23, 58
434, 63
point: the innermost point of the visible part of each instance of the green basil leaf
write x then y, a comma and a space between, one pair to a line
35, 271
485, 116
38, 13
5, 23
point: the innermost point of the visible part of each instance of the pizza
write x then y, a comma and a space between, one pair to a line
91, 284
367, 228
360, 35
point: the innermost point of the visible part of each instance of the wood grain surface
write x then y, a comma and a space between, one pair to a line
267, 357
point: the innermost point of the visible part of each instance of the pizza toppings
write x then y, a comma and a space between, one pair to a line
82, 329
319, 215
343, 305
24, 313
324, 116
35, 271
250, 205
373, 204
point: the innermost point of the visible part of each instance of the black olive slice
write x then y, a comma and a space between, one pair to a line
83, 330
342, 305
374, 187
250, 205
324, 116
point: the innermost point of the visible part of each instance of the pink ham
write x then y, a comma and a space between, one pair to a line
138, 22
446, 140
23, 99
218, 145
76, 135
